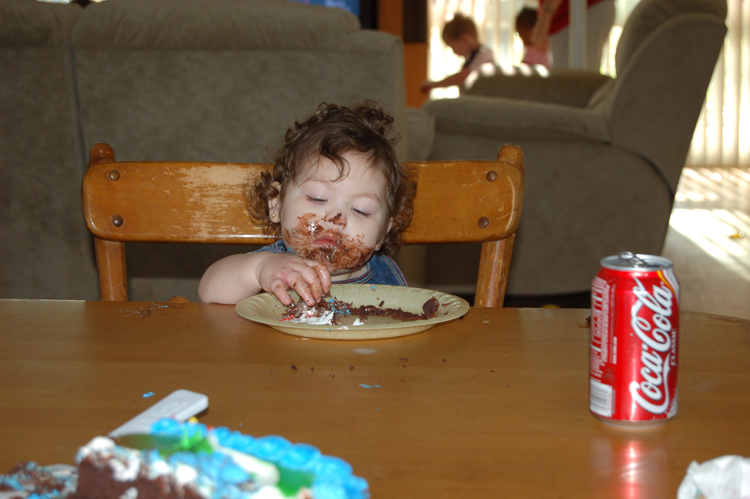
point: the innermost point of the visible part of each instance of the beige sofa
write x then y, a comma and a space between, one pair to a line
194, 80
603, 157
45, 250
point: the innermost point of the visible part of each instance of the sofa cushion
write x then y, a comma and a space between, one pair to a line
510, 120
650, 14
207, 25
29, 23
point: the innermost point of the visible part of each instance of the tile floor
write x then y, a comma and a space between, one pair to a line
709, 240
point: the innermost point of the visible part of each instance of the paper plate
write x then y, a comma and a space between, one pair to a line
267, 309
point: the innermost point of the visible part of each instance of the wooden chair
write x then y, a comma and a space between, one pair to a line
456, 202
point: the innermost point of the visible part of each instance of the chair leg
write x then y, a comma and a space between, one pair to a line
110, 261
494, 263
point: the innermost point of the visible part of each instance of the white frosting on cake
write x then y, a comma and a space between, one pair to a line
265, 473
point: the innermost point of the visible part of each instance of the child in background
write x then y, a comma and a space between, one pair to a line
338, 199
460, 34
525, 21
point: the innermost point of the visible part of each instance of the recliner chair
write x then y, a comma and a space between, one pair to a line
600, 176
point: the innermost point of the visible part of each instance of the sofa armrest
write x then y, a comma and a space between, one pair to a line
570, 88
516, 120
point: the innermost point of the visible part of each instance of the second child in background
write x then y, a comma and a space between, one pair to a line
460, 34
551, 30
337, 198
525, 21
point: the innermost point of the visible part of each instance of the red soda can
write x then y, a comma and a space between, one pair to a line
635, 315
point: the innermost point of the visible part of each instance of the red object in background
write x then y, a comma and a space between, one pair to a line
635, 316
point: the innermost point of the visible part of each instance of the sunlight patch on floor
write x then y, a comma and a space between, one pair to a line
717, 233
709, 240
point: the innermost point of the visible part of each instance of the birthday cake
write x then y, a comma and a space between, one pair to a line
191, 461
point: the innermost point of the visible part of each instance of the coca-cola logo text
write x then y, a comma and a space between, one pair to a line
655, 334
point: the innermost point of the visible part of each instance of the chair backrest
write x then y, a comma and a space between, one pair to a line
456, 202
665, 59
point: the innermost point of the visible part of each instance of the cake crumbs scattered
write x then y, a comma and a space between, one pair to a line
147, 395
368, 386
294, 368
403, 358
444, 360
351, 367
485, 322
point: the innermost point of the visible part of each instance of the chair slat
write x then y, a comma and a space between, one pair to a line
206, 203
171, 202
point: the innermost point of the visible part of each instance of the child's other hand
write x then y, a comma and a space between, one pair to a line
280, 272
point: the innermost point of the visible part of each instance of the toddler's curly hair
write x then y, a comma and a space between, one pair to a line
331, 132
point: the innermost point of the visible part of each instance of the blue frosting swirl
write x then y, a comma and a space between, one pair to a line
333, 476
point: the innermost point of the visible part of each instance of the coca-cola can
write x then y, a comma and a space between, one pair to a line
635, 316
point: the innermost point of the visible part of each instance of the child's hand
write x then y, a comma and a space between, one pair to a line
279, 272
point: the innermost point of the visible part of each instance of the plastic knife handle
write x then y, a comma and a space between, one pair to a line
180, 405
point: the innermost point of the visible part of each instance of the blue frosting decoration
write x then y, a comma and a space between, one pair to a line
333, 478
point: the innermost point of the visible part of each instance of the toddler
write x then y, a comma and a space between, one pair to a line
339, 200
460, 34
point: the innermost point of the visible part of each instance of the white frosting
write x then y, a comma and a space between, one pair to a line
97, 445
269, 493
265, 473
124, 471
309, 318
158, 468
131, 493
185, 474
358, 322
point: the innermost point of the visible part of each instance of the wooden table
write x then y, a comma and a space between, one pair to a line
491, 405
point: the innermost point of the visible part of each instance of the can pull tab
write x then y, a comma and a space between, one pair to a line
630, 259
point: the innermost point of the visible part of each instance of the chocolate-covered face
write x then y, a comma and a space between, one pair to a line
337, 222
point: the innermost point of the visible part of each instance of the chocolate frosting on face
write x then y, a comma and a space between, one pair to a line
338, 250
